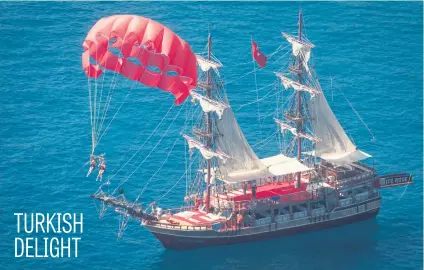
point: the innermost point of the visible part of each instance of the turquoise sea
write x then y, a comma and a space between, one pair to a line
372, 51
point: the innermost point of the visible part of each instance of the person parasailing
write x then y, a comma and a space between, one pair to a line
149, 43
92, 164
102, 168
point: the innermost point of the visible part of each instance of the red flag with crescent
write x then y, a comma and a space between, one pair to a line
259, 57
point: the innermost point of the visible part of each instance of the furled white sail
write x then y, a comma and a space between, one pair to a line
206, 64
300, 47
206, 152
334, 145
231, 140
212, 179
285, 126
295, 85
209, 105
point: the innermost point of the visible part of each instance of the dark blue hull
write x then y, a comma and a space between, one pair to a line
172, 240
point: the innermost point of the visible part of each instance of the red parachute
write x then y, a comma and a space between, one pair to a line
142, 45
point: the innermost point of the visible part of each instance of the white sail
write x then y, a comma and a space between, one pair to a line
335, 146
206, 152
295, 85
231, 140
206, 64
209, 105
300, 47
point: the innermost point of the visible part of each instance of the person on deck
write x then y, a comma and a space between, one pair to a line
253, 191
158, 212
102, 168
153, 213
239, 220
244, 189
197, 203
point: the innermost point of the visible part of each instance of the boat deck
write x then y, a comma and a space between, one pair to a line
271, 190
237, 199
192, 218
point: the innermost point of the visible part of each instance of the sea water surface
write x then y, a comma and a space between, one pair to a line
371, 51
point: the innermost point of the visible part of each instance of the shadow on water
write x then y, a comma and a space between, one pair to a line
345, 247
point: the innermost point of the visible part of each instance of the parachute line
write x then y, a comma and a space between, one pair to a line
104, 132
100, 104
106, 107
93, 142
95, 103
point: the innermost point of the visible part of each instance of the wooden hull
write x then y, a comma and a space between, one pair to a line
182, 240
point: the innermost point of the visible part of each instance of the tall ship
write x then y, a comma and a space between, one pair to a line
319, 179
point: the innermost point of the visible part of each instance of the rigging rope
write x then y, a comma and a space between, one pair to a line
264, 140
158, 170
258, 100
403, 192
360, 118
256, 69
257, 94
278, 50
139, 135
151, 151
176, 183
151, 134
242, 64
277, 106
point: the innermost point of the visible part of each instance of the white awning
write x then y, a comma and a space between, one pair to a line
345, 157
242, 176
281, 165
275, 166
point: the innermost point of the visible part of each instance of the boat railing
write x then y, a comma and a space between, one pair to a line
220, 188
354, 180
364, 165
181, 227
178, 210
230, 203
354, 199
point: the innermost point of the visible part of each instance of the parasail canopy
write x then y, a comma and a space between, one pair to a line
142, 50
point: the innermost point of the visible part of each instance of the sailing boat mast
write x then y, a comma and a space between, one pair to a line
299, 100
208, 128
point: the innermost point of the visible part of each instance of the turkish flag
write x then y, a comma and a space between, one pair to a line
259, 57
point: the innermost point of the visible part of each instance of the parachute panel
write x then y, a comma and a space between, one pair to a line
153, 44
